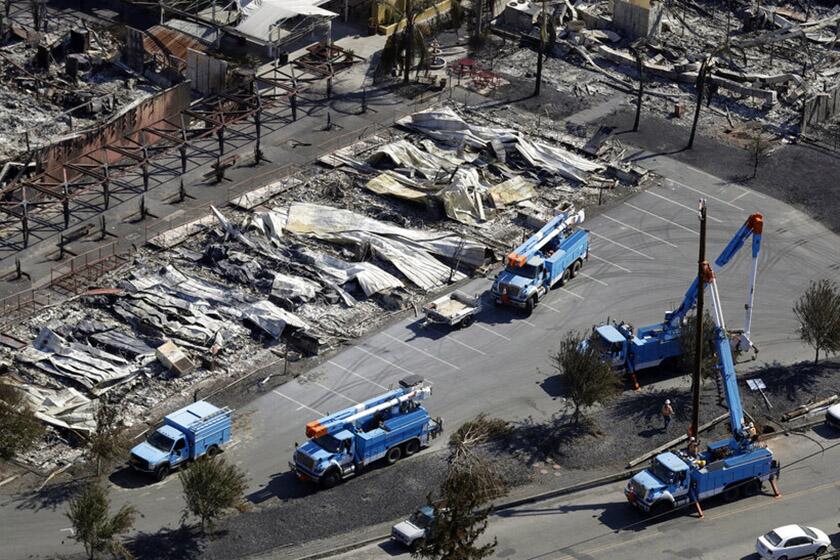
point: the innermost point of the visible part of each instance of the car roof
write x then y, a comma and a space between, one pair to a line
788, 531
834, 410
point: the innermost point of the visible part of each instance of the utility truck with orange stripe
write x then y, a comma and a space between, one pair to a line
549, 258
390, 426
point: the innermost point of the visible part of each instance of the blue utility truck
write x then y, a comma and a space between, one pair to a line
389, 426
735, 466
550, 257
633, 350
187, 434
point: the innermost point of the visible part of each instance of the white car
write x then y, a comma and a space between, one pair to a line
792, 541
412, 532
832, 416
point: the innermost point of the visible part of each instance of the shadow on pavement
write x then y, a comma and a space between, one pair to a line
51, 497
393, 548
167, 544
826, 432
283, 486
130, 479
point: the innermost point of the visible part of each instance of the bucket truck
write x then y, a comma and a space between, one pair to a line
389, 426
735, 466
550, 257
633, 350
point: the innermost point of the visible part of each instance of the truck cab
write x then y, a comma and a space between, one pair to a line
633, 350
187, 434
661, 487
515, 285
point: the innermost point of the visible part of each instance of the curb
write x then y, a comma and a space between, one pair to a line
506, 505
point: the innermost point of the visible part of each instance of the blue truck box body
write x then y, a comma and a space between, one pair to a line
186, 435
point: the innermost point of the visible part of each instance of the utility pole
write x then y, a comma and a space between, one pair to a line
698, 334
541, 51
409, 41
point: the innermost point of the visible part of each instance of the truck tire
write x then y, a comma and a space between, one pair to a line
417, 544
752, 488
576, 266
412, 447
565, 277
731, 494
213, 450
661, 508
467, 321
530, 304
330, 479
393, 455
161, 472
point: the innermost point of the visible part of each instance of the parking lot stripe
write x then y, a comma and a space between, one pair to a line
351, 372
585, 275
529, 323
742, 195
381, 359
618, 266
432, 356
634, 207
648, 257
640, 231
681, 205
572, 294
549, 306
491, 331
298, 403
325, 388
465, 345
679, 184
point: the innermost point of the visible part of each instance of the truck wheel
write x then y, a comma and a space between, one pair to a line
752, 488
394, 454
731, 494
467, 321
576, 266
161, 472
530, 304
412, 447
213, 450
330, 479
565, 278
417, 544
661, 508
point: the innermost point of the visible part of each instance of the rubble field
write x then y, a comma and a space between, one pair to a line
301, 267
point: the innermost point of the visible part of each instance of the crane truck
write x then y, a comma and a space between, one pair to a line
735, 466
634, 350
389, 426
550, 257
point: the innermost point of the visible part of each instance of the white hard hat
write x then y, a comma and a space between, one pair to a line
691, 439
667, 401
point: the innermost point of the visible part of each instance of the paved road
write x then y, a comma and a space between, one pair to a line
599, 523
642, 261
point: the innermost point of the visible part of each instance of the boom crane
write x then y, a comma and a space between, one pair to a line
651, 345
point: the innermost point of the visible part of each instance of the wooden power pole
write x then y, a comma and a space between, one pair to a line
698, 335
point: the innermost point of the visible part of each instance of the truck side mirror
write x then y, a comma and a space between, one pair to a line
296, 445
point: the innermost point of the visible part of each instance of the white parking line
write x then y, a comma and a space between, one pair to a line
618, 266
709, 175
465, 345
325, 388
585, 275
404, 343
640, 231
298, 403
573, 294
648, 257
681, 205
381, 359
634, 207
491, 331
551, 307
529, 323
742, 195
351, 372
704, 194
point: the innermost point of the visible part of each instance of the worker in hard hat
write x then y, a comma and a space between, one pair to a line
693, 448
752, 433
667, 413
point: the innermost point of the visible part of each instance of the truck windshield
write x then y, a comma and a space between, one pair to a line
420, 519
328, 443
604, 346
525, 271
662, 472
160, 441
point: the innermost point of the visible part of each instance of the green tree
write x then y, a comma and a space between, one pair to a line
211, 486
108, 441
687, 346
818, 312
93, 525
585, 379
19, 428
470, 485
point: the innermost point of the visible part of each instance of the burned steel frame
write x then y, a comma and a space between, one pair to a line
89, 182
